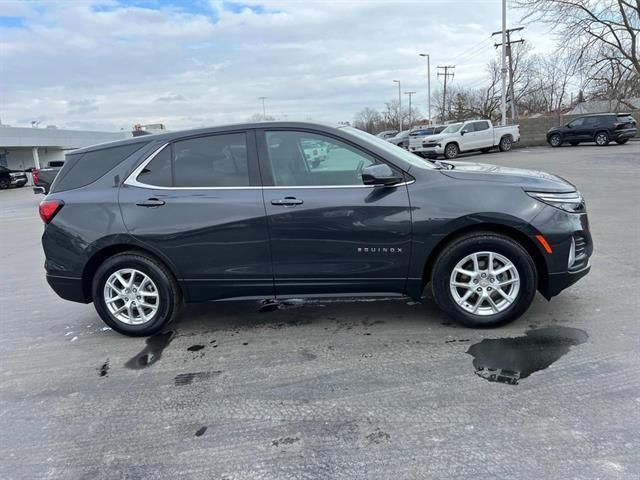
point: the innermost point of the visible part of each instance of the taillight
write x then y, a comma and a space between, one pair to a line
35, 174
49, 208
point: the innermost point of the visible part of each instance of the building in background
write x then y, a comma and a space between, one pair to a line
22, 148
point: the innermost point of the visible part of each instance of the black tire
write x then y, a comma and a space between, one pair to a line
622, 141
505, 143
574, 143
4, 183
479, 242
168, 293
451, 151
555, 140
602, 138
485, 150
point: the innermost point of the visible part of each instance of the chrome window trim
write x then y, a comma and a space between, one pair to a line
133, 182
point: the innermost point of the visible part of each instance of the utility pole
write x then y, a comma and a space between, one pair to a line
410, 113
446, 75
399, 104
506, 46
428, 86
264, 110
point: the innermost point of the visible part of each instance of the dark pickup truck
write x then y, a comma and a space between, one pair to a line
43, 178
12, 178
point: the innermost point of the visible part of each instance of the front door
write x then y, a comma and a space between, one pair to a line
329, 232
198, 203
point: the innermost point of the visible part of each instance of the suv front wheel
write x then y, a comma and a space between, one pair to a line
135, 294
484, 280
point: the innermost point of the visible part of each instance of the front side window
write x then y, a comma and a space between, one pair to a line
577, 122
202, 162
310, 159
452, 128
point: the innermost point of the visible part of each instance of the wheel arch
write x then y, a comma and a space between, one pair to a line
100, 256
506, 135
518, 236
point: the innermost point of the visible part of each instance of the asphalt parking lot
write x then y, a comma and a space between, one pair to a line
334, 389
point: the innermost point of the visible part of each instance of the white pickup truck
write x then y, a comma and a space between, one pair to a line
468, 136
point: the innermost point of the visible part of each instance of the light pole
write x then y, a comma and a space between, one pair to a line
428, 86
264, 110
399, 104
410, 113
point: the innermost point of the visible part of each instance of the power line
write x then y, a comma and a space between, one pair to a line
508, 42
446, 75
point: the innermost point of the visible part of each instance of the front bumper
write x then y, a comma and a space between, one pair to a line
68, 288
557, 282
18, 181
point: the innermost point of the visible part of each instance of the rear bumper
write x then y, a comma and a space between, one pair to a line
622, 134
68, 288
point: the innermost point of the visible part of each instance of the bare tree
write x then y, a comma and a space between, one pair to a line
369, 120
609, 27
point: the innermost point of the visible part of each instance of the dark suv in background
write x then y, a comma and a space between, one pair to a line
139, 226
600, 128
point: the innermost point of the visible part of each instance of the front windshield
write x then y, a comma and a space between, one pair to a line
452, 128
389, 147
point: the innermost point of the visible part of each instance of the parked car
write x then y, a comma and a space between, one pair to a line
142, 225
417, 137
600, 128
470, 136
12, 178
399, 138
44, 177
315, 152
387, 134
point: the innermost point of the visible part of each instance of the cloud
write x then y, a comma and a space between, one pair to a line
187, 64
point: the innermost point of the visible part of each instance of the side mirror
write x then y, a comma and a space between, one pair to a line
381, 174
463, 132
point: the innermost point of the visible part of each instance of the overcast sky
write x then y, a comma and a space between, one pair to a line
109, 64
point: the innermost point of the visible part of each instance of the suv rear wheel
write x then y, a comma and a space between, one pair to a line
484, 280
135, 294
602, 139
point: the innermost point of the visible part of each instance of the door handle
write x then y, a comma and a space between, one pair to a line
151, 202
287, 202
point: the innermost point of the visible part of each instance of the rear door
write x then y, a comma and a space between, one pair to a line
483, 135
330, 233
197, 202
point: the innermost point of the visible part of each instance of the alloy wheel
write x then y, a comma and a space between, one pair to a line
601, 138
484, 283
555, 140
131, 296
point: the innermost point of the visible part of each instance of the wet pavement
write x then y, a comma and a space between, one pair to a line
333, 389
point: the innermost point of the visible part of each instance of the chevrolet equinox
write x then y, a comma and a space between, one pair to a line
240, 212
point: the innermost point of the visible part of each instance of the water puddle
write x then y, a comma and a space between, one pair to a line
509, 360
152, 352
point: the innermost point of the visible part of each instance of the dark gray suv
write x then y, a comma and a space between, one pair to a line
140, 226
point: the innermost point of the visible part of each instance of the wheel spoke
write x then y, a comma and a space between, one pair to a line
476, 265
490, 265
114, 299
119, 310
468, 273
504, 295
141, 313
121, 279
464, 298
478, 303
506, 282
503, 269
461, 285
492, 304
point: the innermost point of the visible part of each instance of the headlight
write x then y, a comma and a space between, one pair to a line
569, 202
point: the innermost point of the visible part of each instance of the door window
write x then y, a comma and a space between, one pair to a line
577, 122
479, 126
470, 127
211, 161
310, 159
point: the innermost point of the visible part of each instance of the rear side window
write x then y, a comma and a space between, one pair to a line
158, 171
211, 161
84, 168
482, 126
